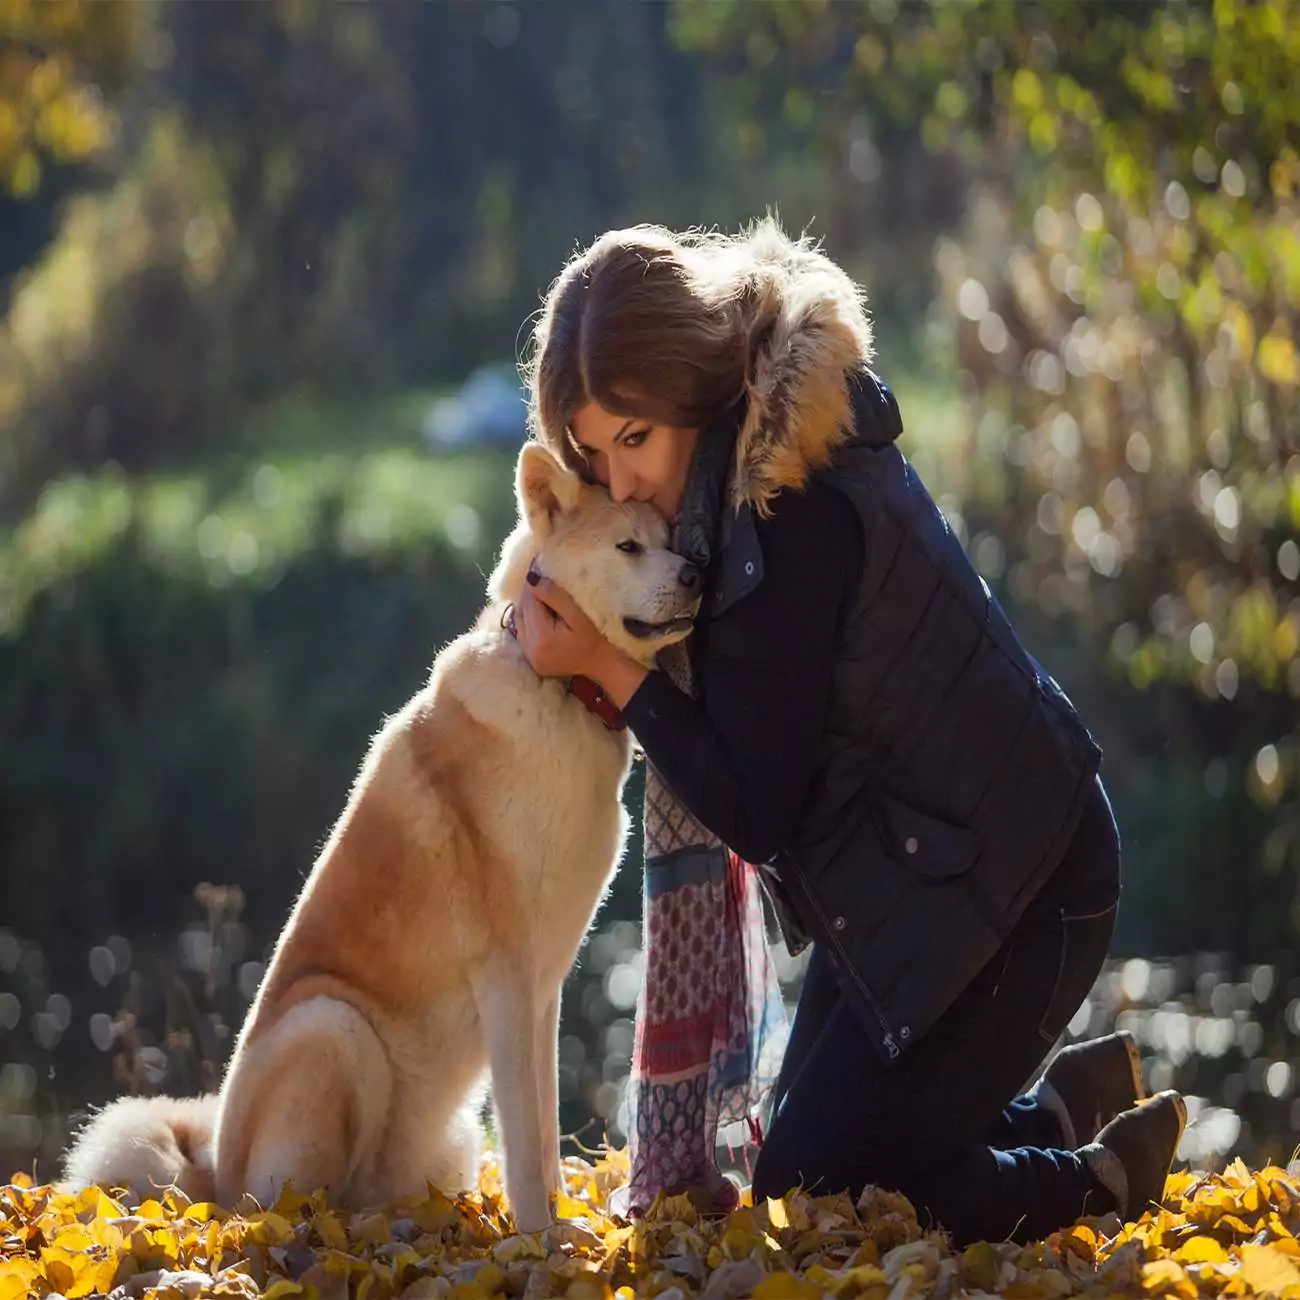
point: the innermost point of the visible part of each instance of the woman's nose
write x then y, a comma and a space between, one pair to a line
621, 483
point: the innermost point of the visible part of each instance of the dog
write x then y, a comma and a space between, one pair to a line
430, 942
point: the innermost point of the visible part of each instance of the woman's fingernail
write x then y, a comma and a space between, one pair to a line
533, 577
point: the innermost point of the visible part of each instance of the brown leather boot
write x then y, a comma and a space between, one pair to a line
1132, 1154
1087, 1084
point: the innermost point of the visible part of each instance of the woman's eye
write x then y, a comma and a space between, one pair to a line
637, 438
629, 547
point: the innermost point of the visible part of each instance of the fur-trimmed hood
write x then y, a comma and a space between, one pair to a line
809, 341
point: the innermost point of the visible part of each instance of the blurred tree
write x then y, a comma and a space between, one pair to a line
1124, 299
64, 71
338, 198
57, 58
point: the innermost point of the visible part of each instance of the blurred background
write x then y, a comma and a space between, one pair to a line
265, 274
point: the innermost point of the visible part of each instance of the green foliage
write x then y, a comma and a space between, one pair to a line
56, 59
187, 679
305, 203
1123, 303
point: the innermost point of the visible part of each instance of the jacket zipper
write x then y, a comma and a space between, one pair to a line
891, 1045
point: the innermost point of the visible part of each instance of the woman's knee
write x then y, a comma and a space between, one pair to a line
823, 1163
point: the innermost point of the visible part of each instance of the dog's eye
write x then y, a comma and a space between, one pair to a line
631, 547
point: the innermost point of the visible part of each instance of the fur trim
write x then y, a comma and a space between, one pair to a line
809, 332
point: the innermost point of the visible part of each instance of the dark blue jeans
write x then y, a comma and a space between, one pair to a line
943, 1123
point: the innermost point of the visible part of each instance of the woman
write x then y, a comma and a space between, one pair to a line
856, 715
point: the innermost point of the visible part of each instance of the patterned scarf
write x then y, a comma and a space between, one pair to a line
710, 1023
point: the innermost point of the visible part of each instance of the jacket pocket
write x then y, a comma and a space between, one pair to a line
926, 844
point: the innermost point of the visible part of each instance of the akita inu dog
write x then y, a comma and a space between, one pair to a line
433, 935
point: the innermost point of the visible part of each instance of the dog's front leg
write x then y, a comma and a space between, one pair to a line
509, 1015
548, 1040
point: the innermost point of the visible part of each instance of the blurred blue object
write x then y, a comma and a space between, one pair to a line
490, 407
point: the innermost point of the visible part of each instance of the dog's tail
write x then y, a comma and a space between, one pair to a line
147, 1144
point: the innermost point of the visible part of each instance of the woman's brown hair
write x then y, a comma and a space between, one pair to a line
680, 329
645, 323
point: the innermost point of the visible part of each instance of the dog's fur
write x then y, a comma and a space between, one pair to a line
433, 935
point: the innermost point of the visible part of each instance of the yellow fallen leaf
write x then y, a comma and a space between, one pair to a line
281, 1287
490, 1277
59, 1270
587, 1288
97, 1204
1026, 1291
16, 1278
270, 1229
514, 1249
1168, 1277
436, 1213
796, 1207
567, 1207
75, 1236
432, 1247
1234, 1223
330, 1230
1268, 1270
1201, 1250
106, 1233
673, 1209
786, 1286
1236, 1174
372, 1230
981, 1265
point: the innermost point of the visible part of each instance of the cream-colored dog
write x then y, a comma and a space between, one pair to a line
432, 938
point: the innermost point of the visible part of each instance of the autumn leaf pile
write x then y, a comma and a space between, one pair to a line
1220, 1235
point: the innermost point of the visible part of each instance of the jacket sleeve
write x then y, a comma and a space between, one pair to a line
742, 756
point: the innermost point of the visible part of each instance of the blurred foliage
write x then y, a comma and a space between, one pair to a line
193, 675
57, 60
303, 203
1122, 302
226, 552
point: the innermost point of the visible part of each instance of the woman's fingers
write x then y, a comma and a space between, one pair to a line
557, 600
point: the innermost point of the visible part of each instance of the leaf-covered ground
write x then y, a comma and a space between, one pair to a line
1231, 1235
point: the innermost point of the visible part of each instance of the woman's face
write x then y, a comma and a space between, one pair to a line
635, 459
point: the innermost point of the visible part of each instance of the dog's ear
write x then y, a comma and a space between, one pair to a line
546, 489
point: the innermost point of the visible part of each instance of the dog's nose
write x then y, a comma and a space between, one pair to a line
689, 576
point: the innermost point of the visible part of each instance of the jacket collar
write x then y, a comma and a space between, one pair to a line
809, 391
876, 423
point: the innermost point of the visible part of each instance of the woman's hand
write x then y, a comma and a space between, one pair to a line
559, 640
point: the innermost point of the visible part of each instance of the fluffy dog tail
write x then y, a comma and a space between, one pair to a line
147, 1144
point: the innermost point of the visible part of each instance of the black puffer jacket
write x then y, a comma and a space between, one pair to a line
954, 769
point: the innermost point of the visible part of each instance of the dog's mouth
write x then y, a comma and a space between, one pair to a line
644, 631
